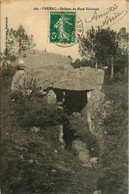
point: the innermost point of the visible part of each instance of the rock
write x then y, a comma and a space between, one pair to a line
54, 70
76, 114
93, 113
108, 102
61, 167
42, 92
61, 134
31, 161
71, 79
82, 152
97, 192
51, 97
35, 129
53, 170
59, 108
59, 103
85, 78
94, 160
21, 157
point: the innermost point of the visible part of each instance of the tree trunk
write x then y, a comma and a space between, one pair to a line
112, 70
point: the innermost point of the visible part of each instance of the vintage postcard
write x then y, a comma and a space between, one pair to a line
64, 96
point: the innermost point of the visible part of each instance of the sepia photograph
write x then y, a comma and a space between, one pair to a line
64, 96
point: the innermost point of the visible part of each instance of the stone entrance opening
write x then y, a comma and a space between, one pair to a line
73, 100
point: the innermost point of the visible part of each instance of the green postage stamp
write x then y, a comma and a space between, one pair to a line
62, 27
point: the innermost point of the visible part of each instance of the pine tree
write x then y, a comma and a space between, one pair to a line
18, 41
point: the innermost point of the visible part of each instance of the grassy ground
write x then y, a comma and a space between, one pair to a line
33, 162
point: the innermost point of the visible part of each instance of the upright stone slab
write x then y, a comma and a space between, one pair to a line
93, 114
51, 97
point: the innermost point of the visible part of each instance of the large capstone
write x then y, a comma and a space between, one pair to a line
54, 70
85, 78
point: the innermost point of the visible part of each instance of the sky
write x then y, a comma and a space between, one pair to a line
36, 22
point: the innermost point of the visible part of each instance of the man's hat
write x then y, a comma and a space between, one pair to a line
20, 64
